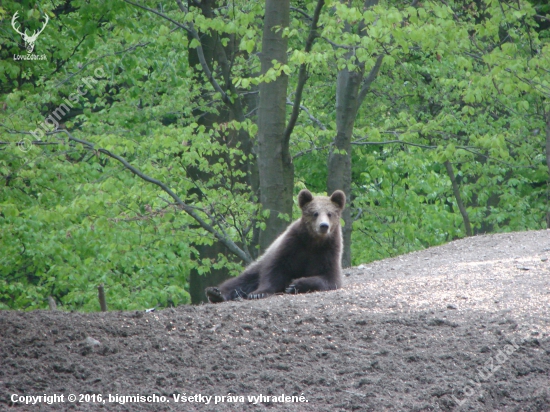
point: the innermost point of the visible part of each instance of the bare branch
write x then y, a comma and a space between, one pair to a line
131, 48
311, 117
338, 46
225, 66
302, 12
369, 80
393, 142
191, 211
311, 149
470, 149
158, 13
302, 75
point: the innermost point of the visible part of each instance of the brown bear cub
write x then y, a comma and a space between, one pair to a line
304, 258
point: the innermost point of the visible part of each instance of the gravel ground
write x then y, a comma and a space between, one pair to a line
464, 326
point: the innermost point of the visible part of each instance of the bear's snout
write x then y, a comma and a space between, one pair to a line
323, 227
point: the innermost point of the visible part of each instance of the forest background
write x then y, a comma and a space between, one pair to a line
156, 148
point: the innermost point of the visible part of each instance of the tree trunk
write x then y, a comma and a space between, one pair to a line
548, 164
339, 161
351, 90
456, 191
275, 164
197, 282
213, 51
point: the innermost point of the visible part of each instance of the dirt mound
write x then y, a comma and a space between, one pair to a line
464, 326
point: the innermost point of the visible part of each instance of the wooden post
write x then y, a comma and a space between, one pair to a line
101, 296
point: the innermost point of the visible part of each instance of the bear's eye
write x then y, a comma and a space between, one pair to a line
316, 214
330, 215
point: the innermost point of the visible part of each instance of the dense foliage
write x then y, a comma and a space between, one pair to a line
462, 83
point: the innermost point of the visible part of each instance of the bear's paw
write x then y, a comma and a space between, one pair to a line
257, 295
291, 289
214, 295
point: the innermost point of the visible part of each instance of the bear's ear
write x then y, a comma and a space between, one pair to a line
339, 198
304, 198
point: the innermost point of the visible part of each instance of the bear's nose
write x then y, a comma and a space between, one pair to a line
323, 227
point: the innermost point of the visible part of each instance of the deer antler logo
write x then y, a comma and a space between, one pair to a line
29, 40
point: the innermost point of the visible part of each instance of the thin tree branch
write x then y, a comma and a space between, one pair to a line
302, 12
131, 48
394, 142
339, 46
311, 117
34, 143
311, 149
222, 237
369, 80
225, 66
458, 197
466, 148
158, 13
302, 76
200, 52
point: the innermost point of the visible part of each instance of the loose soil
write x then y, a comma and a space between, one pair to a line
464, 326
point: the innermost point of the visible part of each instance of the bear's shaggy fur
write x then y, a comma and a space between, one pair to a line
304, 258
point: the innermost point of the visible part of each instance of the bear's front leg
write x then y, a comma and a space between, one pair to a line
270, 283
311, 284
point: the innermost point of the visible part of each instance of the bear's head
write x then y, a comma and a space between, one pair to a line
321, 214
